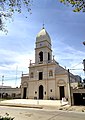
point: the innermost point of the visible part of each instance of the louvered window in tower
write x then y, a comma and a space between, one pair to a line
41, 56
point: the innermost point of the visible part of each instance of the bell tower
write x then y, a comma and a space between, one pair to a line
43, 52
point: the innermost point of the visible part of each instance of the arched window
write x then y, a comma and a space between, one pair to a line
41, 56
31, 75
50, 73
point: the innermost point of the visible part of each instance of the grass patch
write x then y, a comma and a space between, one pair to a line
1, 99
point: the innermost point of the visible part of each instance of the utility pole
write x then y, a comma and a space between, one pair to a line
2, 86
69, 88
84, 64
16, 76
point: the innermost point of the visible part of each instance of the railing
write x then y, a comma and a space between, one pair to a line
43, 62
25, 75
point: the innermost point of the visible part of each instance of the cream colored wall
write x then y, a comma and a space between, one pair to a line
31, 90
47, 82
51, 86
45, 48
44, 69
34, 87
47, 85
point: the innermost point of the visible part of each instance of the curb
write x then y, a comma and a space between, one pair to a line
22, 105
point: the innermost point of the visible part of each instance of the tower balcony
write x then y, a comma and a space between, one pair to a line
43, 63
25, 75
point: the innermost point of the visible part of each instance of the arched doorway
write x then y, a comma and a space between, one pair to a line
24, 92
62, 93
61, 84
40, 92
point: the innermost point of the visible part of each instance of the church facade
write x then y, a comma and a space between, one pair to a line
46, 78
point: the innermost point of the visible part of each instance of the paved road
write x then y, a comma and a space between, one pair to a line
40, 114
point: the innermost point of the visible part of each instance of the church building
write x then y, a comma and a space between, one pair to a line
46, 79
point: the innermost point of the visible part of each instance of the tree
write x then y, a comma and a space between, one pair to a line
79, 5
9, 7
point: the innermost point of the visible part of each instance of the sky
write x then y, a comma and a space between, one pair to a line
65, 27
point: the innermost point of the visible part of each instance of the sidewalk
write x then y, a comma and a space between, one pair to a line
33, 103
42, 104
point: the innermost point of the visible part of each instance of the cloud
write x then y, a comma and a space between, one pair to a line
16, 51
12, 64
69, 57
65, 27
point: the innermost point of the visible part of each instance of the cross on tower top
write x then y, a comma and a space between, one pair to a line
43, 25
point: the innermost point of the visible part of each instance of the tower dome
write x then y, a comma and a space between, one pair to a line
43, 51
43, 36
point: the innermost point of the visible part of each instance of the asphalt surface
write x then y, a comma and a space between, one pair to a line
40, 114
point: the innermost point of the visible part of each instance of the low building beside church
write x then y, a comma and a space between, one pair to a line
9, 92
46, 79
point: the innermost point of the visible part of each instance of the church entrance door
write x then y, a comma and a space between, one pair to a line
40, 92
62, 93
24, 92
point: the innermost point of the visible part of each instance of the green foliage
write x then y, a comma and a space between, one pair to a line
9, 7
79, 5
14, 5
6, 117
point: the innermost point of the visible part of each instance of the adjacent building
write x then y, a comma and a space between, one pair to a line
9, 92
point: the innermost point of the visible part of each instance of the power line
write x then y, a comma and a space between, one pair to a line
76, 69
76, 65
7, 79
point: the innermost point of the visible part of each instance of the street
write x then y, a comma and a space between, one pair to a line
40, 114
